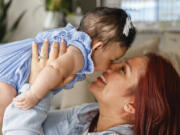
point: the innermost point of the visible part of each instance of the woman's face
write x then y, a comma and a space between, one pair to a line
115, 85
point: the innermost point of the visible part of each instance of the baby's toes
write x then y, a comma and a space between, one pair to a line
19, 104
27, 108
19, 99
24, 107
28, 105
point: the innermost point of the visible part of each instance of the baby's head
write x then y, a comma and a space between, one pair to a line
112, 33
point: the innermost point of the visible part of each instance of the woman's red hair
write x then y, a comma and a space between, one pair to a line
158, 99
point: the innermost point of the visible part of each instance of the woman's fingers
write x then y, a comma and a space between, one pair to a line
38, 61
62, 48
44, 51
35, 57
54, 51
57, 50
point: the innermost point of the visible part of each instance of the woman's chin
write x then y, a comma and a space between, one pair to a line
95, 89
91, 86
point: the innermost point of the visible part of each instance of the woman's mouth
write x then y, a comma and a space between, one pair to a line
102, 79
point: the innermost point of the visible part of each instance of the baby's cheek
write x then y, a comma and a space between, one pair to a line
107, 65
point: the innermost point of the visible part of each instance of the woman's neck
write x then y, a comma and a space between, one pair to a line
108, 121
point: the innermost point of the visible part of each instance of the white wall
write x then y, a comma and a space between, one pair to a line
32, 22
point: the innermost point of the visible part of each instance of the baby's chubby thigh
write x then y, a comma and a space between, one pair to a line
7, 93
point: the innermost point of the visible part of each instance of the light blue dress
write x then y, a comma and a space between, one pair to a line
15, 57
39, 121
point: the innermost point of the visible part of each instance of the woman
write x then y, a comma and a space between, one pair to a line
138, 96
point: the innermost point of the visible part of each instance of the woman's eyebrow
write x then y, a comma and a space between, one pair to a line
129, 65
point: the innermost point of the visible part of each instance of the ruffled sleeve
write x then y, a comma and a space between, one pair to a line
80, 40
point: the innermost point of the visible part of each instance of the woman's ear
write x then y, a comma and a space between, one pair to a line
129, 106
97, 45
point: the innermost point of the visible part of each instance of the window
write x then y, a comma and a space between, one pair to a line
169, 10
147, 10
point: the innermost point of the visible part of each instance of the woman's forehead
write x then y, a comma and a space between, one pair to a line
138, 60
134, 62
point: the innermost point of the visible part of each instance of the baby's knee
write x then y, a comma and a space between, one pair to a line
7, 90
7, 93
1, 114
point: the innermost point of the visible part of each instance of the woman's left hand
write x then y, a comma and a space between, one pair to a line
39, 62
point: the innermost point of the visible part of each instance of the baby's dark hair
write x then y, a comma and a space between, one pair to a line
107, 25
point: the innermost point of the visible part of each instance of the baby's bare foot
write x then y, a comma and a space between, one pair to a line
26, 100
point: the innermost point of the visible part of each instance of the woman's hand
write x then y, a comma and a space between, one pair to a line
30, 99
39, 62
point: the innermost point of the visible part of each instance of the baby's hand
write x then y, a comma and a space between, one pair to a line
26, 100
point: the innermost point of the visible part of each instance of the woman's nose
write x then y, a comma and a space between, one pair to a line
109, 70
115, 66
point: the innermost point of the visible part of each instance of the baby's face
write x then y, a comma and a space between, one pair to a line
104, 57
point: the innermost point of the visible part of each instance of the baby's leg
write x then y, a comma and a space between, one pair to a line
7, 93
26, 122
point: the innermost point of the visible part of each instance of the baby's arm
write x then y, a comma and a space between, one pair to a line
51, 76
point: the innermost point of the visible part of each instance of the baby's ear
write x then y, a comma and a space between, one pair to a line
97, 45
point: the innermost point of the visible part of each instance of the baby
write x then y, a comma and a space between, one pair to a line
103, 36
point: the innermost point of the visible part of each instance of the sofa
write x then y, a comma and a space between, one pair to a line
162, 43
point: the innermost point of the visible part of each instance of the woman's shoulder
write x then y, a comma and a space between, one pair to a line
76, 113
86, 107
84, 110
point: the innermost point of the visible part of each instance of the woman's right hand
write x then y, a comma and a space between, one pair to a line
38, 63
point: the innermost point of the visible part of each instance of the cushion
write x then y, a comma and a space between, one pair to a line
170, 43
77, 95
151, 45
170, 49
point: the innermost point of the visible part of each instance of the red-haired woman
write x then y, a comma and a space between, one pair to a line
138, 96
158, 99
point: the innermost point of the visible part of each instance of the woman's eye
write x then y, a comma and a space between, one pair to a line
123, 69
111, 61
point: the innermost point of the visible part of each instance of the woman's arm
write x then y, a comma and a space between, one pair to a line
51, 76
